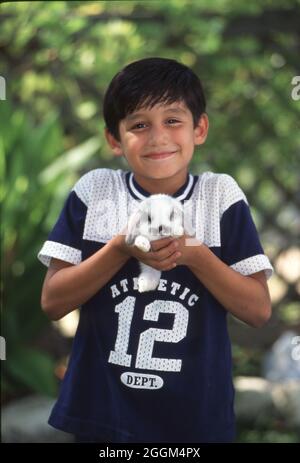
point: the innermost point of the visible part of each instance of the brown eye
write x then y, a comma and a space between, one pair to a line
138, 125
173, 121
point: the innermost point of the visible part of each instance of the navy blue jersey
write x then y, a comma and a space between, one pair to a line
154, 366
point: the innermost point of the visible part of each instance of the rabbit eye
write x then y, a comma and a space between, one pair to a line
149, 219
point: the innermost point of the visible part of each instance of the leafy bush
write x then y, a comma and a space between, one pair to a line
36, 182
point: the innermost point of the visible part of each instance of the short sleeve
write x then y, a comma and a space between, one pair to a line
65, 240
240, 245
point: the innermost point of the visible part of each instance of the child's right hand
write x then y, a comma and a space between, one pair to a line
163, 254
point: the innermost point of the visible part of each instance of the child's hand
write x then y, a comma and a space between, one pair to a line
163, 254
185, 249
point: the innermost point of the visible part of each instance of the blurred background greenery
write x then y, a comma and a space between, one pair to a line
57, 59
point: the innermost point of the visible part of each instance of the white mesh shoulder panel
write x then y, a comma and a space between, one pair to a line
213, 195
107, 208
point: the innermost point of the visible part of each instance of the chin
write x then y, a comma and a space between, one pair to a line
159, 173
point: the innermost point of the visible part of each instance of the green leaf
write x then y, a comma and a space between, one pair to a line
72, 160
32, 368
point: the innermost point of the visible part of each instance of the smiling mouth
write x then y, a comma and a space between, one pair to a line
162, 155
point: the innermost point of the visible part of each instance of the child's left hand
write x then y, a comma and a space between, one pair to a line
185, 250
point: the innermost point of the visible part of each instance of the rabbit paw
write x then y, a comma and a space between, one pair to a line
142, 243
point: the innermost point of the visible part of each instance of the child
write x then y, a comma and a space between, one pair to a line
153, 366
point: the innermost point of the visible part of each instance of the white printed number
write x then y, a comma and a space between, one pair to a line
296, 89
144, 358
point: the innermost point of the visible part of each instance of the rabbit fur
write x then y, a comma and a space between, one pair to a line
157, 217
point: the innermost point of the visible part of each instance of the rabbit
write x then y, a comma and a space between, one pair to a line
157, 217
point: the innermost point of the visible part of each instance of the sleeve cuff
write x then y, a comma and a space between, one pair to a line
59, 251
254, 264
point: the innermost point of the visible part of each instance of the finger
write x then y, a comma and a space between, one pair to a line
167, 251
170, 262
162, 243
165, 264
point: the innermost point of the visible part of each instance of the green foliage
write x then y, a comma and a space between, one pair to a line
246, 362
36, 181
267, 436
290, 313
32, 369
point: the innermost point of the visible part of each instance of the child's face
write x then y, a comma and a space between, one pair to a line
159, 142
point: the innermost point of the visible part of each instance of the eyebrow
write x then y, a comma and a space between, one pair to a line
133, 116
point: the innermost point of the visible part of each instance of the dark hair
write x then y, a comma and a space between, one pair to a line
149, 81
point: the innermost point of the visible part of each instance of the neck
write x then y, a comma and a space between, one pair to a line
167, 186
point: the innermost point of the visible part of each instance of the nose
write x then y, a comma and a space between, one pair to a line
160, 230
157, 135
156, 230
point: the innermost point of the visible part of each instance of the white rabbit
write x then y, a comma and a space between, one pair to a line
157, 217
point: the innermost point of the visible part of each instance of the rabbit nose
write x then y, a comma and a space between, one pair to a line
154, 230
164, 230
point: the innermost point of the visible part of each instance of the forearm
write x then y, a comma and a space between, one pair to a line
243, 296
72, 286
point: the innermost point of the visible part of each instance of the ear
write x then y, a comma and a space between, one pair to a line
188, 227
177, 222
178, 212
201, 130
132, 230
113, 143
187, 222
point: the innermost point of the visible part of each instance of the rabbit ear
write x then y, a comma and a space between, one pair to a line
184, 215
132, 229
178, 212
187, 224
